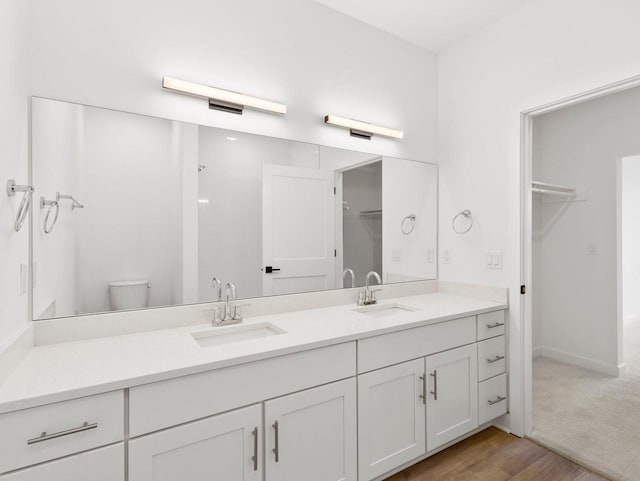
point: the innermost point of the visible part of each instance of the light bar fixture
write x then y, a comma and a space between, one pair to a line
223, 100
363, 130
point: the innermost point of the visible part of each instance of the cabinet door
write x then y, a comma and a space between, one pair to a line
452, 400
391, 418
225, 447
311, 435
105, 464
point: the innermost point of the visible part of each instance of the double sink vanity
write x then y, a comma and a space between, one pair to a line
339, 392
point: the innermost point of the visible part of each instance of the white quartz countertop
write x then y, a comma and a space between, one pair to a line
58, 372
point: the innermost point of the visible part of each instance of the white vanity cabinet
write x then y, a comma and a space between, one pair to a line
311, 435
226, 447
391, 417
452, 395
104, 464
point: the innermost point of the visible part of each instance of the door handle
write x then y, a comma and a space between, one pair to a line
434, 374
423, 396
270, 269
276, 449
254, 458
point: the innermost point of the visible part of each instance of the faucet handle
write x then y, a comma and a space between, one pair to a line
236, 311
373, 295
217, 315
361, 298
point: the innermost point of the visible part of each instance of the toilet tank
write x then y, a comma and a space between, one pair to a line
129, 294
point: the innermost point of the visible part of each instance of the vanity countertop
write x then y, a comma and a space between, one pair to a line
58, 372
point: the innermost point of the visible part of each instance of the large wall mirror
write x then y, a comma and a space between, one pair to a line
135, 211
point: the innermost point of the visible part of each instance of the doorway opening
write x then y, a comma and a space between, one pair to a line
582, 239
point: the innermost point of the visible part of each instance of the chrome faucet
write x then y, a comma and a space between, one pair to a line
217, 287
352, 274
368, 296
229, 292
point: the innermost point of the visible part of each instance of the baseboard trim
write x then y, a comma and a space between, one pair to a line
580, 361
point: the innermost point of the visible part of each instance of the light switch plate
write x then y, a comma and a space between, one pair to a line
493, 259
592, 249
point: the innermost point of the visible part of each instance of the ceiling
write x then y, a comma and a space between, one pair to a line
431, 24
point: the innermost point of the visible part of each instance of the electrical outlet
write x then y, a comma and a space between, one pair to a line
446, 256
396, 255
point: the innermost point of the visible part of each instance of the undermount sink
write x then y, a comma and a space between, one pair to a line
218, 336
385, 310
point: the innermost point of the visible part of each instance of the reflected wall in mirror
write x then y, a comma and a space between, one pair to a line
143, 212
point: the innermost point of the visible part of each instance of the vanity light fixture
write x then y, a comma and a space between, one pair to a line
223, 100
363, 130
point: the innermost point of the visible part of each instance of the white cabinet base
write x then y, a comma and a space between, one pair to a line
311, 435
221, 447
391, 418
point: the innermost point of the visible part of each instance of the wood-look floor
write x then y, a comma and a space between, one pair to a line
493, 455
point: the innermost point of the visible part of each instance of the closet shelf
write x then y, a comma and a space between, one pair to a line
553, 189
371, 213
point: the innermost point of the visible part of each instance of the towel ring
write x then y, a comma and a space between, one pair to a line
467, 215
406, 230
52, 205
25, 204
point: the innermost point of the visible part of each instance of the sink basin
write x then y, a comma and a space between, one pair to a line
218, 336
385, 310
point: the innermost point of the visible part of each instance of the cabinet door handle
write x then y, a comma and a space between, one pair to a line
276, 449
434, 374
47, 437
423, 396
499, 399
495, 359
254, 458
493, 326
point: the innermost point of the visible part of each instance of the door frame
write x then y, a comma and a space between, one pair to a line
526, 233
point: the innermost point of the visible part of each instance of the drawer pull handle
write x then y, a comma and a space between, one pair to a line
254, 458
434, 374
495, 359
493, 326
423, 396
47, 437
276, 449
499, 400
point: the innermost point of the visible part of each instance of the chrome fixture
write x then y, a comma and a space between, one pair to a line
217, 286
74, 203
368, 296
224, 100
201, 167
25, 204
362, 130
408, 224
352, 274
467, 215
86, 426
228, 317
54, 206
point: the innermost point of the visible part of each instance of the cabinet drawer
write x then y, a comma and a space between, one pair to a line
168, 403
491, 324
381, 351
104, 464
47, 432
491, 358
492, 398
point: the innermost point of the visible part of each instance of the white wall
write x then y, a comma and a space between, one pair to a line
577, 296
630, 238
57, 154
14, 90
409, 188
316, 60
545, 51
130, 225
